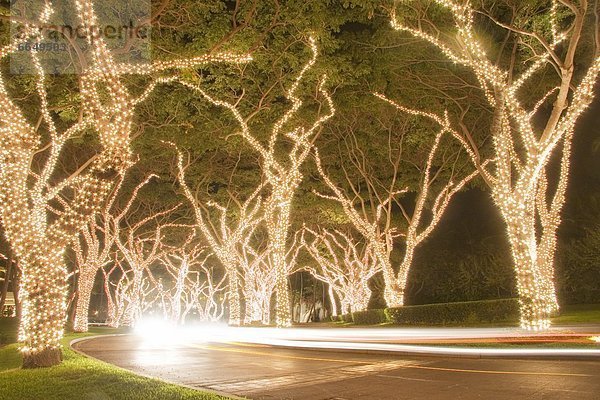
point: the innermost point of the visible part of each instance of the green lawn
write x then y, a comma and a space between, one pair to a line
579, 314
82, 378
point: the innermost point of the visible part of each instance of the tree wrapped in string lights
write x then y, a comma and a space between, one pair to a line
524, 139
195, 285
371, 213
345, 265
282, 174
42, 207
94, 249
140, 249
258, 276
225, 239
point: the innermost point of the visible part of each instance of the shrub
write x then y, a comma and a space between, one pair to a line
347, 318
504, 310
369, 317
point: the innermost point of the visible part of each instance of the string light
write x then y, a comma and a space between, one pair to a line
283, 180
519, 184
343, 266
94, 249
37, 230
381, 240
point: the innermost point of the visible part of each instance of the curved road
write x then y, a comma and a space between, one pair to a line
264, 372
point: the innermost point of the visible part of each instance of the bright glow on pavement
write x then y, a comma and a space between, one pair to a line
160, 332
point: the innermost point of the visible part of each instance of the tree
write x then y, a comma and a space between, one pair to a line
282, 176
524, 139
371, 202
94, 249
345, 265
43, 206
226, 238
41, 215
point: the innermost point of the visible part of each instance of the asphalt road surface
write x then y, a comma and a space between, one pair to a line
264, 372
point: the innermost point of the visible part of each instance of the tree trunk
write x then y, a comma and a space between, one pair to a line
277, 240
392, 293
254, 306
82, 307
133, 310
17, 291
266, 310
402, 276
44, 308
47, 357
531, 284
235, 317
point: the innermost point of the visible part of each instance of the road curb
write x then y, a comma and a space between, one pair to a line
196, 388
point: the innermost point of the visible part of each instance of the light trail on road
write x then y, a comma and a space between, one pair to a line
391, 340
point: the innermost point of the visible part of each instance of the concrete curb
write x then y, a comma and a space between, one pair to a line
198, 389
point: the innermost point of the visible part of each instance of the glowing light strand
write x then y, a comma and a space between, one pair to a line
282, 179
521, 193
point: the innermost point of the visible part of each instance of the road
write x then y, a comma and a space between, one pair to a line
265, 372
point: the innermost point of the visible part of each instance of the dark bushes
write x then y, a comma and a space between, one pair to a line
369, 317
504, 310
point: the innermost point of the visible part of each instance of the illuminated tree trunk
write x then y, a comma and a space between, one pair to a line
85, 287
235, 314
403, 270
133, 312
44, 308
391, 293
278, 230
111, 309
535, 308
250, 303
537, 293
266, 310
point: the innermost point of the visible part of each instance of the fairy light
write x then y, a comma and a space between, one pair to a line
519, 184
194, 285
94, 248
345, 267
417, 228
283, 178
38, 232
225, 240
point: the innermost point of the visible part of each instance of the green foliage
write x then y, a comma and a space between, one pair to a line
469, 312
347, 318
369, 317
